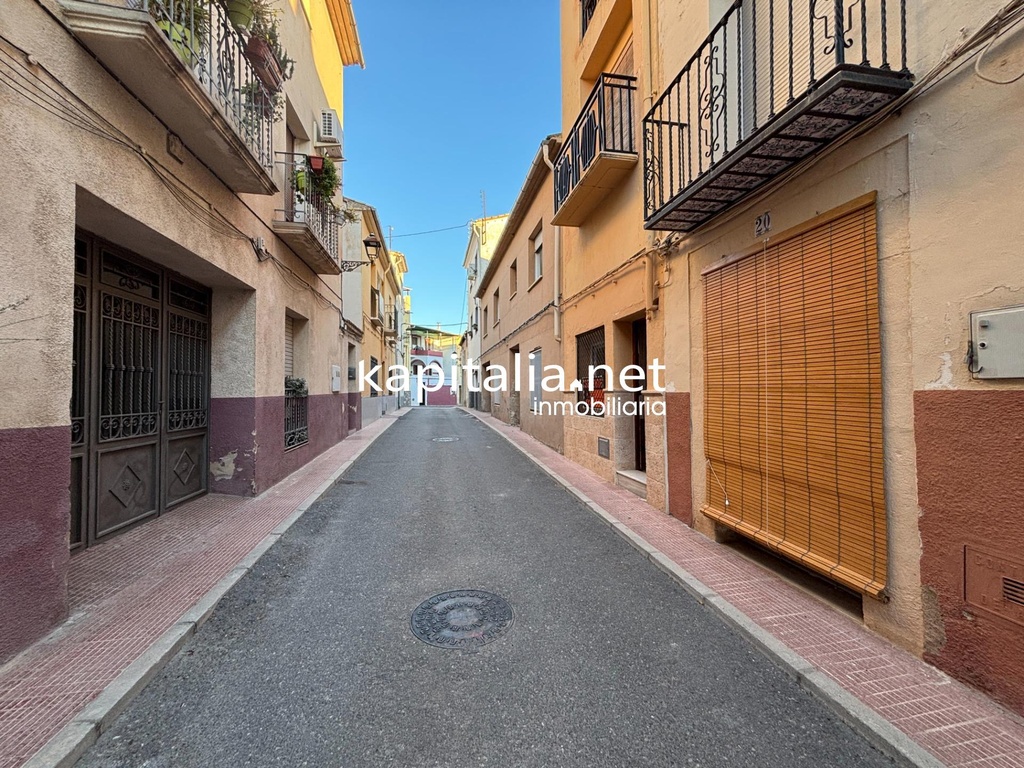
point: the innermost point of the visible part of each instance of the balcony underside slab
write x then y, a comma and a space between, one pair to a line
133, 48
300, 238
806, 126
605, 173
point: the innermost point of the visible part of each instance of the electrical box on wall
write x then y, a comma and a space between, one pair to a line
997, 337
335, 378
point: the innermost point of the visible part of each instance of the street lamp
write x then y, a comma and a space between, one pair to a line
372, 245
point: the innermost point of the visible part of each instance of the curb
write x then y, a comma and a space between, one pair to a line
68, 745
882, 734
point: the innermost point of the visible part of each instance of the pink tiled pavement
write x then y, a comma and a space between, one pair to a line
955, 723
125, 593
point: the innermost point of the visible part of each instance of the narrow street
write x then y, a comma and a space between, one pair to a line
310, 660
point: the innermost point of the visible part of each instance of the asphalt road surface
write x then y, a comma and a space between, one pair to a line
310, 660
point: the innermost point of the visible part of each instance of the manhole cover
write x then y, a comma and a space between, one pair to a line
465, 618
445, 439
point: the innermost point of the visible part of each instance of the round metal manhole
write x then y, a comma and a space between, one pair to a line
464, 618
445, 439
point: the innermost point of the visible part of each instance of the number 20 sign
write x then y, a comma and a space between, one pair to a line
763, 224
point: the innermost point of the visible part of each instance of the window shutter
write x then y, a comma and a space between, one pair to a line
793, 400
289, 346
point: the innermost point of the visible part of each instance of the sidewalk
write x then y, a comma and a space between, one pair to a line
859, 673
134, 591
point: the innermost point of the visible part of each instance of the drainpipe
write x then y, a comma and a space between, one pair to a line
650, 260
558, 259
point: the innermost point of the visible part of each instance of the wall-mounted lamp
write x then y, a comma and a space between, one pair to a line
372, 246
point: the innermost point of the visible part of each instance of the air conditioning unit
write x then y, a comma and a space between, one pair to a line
330, 134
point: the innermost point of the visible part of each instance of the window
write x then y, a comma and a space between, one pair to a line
374, 376
296, 410
476, 318
793, 400
374, 304
513, 278
587, 8
495, 310
536, 377
590, 355
537, 256
485, 321
496, 395
289, 346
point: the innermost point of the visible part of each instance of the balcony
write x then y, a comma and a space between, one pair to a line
186, 62
775, 82
599, 152
308, 222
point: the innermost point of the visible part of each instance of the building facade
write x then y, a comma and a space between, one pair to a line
609, 308
382, 304
798, 204
520, 289
433, 361
483, 237
174, 277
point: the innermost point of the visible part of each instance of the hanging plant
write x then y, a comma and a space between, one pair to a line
268, 57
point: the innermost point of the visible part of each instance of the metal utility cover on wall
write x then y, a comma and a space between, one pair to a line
998, 336
603, 447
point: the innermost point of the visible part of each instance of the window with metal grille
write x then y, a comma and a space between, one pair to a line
296, 418
591, 369
536, 377
587, 8
513, 278
793, 400
374, 376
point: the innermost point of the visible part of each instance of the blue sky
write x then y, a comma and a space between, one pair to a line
455, 98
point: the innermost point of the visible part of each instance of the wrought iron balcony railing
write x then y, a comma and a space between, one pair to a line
603, 139
309, 220
200, 34
774, 82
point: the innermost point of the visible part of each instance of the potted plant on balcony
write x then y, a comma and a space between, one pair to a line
321, 184
264, 51
241, 13
186, 23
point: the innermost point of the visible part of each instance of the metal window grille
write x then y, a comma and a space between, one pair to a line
296, 420
587, 8
590, 354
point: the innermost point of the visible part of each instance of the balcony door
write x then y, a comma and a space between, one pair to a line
140, 391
